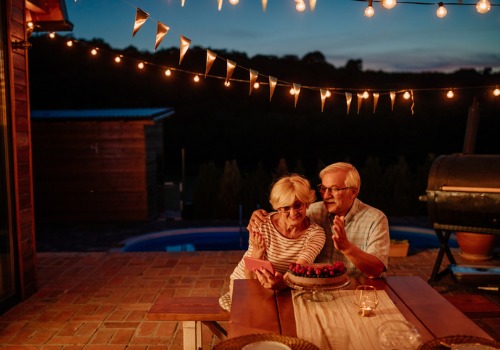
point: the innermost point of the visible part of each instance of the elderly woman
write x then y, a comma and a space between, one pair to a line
287, 235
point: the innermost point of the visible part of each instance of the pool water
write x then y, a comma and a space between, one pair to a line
236, 238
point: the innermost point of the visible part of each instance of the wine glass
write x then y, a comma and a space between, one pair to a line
366, 300
398, 334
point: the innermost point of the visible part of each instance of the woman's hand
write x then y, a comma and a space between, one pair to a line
270, 281
258, 243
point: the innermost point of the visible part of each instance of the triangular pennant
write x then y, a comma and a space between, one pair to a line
210, 60
253, 78
393, 97
272, 84
182, 3
219, 7
348, 98
161, 31
312, 4
184, 47
323, 94
264, 5
230, 69
140, 18
360, 100
376, 95
296, 92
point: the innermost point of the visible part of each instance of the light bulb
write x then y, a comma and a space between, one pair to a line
93, 52
441, 11
328, 93
234, 2
365, 95
256, 85
227, 83
483, 6
406, 95
388, 4
292, 91
196, 79
118, 59
369, 11
496, 92
69, 43
52, 35
168, 72
300, 6
140, 65
450, 94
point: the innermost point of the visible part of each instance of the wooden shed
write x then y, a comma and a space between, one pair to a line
103, 165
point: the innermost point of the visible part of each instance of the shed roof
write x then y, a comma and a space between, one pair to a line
103, 114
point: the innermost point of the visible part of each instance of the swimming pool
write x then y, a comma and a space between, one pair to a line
236, 238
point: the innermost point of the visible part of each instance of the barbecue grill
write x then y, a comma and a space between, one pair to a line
463, 194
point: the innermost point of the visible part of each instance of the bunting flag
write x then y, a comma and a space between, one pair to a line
272, 84
375, 101
230, 69
264, 5
253, 78
312, 4
348, 98
161, 31
360, 100
220, 5
182, 3
211, 56
296, 92
323, 94
393, 97
184, 47
140, 19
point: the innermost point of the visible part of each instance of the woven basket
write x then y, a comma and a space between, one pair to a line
436, 344
239, 342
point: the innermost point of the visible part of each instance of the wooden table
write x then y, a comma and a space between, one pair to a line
258, 310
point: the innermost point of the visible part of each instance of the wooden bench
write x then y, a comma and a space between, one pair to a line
193, 312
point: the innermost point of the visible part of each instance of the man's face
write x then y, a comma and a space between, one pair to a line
337, 198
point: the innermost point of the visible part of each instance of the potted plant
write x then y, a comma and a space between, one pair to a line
476, 246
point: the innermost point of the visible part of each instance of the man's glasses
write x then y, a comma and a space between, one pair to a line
296, 206
333, 190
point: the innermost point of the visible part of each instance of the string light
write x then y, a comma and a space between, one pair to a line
69, 43
441, 11
483, 6
168, 72
450, 94
52, 35
196, 79
496, 92
93, 52
118, 59
328, 93
256, 85
234, 2
300, 5
406, 95
388, 4
365, 94
369, 10
292, 91
140, 65
227, 83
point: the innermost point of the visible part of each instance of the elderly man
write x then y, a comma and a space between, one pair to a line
360, 233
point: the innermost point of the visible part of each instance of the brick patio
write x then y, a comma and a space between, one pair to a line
99, 300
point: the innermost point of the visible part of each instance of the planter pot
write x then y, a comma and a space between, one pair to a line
476, 246
399, 248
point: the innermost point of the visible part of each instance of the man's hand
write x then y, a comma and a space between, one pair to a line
339, 236
257, 219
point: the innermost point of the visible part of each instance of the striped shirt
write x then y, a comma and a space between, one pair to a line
365, 226
282, 251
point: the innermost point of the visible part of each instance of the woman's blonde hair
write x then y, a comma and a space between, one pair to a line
289, 188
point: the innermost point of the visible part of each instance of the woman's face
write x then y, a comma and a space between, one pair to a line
337, 197
295, 213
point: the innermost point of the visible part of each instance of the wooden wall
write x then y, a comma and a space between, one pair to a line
17, 86
97, 171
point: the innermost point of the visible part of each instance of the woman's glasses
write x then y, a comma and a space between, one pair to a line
296, 206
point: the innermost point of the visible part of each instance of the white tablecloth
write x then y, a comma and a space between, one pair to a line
341, 312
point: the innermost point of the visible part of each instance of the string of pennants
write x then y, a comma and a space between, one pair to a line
142, 16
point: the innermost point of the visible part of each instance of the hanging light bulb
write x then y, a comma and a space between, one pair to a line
227, 83
441, 11
52, 35
369, 10
300, 5
496, 92
365, 95
69, 43
292, 91
406, 95
256, 85
196, 78
118, 59
388, 4
483, 6
328, 93
93, 52
140, 65
450, 94
168, 72
234, 2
